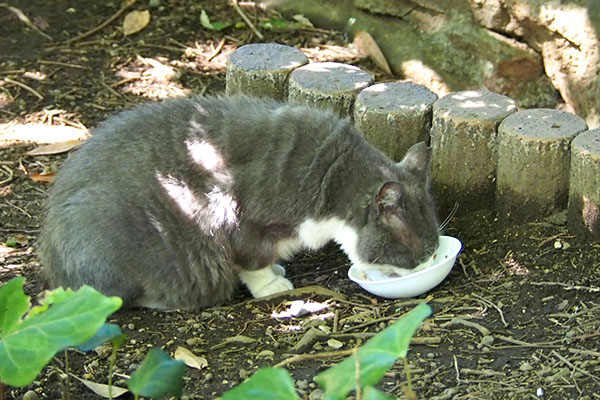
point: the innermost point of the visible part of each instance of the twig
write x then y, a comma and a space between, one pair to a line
24, 86
316, 356
21, 15
488, 302
567, 286
124, 81
336, 320
585, 352
247, 20
573, 367
18, 208
10, 174
525, 344
19, 230
109, 21
62, 64
460, 321
217, 50
456, 369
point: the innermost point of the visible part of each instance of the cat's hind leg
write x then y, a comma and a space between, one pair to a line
266, 281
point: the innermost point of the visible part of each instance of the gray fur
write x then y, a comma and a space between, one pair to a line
144, 210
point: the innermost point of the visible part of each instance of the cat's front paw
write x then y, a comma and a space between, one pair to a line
278, 285
266, 281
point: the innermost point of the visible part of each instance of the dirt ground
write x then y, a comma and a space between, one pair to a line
517, 318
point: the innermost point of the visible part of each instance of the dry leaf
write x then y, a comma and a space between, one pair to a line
48, 178
135, 21
17, 240
239, 339
54, 148
365, 43
190, 359
101, 389
6, 249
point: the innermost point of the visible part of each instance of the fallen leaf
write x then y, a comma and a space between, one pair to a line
135, 21
101, 389
205, 21
48, 178
54, 148
190, 359
214, 25
17, 240
365, 43
239, 339
303, 20
4, 249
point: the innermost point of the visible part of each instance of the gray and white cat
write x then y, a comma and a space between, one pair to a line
169, 204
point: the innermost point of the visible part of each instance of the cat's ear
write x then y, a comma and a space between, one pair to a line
417, 159
389, 198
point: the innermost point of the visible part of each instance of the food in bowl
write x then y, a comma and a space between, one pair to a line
391, 282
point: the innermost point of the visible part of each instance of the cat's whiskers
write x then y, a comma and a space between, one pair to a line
447, 220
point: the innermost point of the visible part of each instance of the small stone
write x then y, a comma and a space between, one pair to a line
316, 394
334, 343
30, 395
563, 305
302, 384
131, 327
525, 367
266, 354
487, 340
244, 374
545, 371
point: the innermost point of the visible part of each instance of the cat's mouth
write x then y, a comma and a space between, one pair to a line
429, 251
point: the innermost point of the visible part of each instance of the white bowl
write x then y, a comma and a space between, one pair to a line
429, 274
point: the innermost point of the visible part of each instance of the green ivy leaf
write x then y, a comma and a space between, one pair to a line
371, 393
374, 358
14, 303
70, 319
106, 333
265, 384
158, 376
214, 25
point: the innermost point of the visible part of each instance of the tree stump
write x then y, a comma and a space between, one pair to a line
533, 162
394, 115
262, 69
584, 188
463, 138
328, 85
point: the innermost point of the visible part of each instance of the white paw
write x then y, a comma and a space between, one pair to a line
266, 281
278, 285
278, 269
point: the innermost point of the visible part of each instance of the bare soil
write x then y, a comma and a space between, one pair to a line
518, 317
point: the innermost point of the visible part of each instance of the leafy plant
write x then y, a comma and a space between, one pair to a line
360, 372
158, 376
32, 336
212, 25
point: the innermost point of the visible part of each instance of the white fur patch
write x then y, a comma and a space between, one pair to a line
286, 248
315, 234
266, 281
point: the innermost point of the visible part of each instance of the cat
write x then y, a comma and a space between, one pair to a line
170, 204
